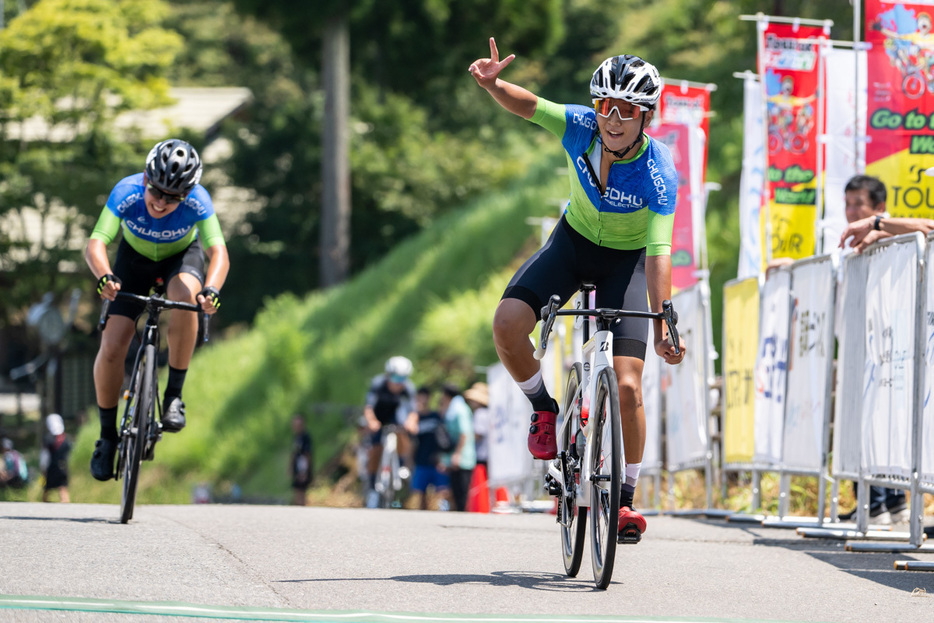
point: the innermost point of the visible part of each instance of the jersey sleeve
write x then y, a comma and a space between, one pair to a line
209, 230
372, 394
658, 235
662, 190
107, 227
550, 116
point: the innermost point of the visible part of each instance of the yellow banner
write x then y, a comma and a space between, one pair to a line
740, 339
910, 192
792, 231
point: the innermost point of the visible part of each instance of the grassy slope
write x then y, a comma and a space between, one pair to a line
431, 299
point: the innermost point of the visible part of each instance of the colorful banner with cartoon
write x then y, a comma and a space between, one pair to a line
683, 249
789, 72
901, 103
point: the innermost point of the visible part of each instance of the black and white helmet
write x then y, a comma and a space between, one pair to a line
628, 78
173, 166
399, 366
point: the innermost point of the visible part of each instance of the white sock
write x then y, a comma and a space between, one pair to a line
533, 385
632, 473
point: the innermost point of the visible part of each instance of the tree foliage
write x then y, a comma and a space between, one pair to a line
67, 67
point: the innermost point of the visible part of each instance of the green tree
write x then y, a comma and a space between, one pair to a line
67, 68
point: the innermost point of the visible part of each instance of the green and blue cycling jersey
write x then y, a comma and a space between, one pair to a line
157, 238
638, 207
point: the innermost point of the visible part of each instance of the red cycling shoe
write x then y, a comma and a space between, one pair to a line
631, 526
542, 442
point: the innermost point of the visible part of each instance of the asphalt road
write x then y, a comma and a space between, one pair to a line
78, 563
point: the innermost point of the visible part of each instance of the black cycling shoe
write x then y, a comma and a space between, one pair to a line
173, 416
102, 461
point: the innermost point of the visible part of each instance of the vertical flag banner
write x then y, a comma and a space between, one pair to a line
900, 110
688, 104
683, 250
845, 138
789, 73
752, 182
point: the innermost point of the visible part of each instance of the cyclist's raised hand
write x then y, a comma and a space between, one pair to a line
666, 351
486, 70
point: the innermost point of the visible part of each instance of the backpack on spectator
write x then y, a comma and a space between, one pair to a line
443, 438
16, 466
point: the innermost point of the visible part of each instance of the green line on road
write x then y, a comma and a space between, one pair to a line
245, 613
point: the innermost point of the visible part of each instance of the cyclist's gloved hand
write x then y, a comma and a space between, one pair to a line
108, 286
210, 299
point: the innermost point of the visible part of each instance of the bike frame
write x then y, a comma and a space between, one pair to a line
596, 355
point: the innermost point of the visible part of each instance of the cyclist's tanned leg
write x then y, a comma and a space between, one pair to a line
183, 326
632, 412
513, 321
108, 365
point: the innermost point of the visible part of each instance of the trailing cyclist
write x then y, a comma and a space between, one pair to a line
168, 222
615, 233
389, 400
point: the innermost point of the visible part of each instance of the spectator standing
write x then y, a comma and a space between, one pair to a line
865, 198
428, 469
301, 465
53, 459
460, 463
478, 399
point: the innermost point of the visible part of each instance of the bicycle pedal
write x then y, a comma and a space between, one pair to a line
630, 535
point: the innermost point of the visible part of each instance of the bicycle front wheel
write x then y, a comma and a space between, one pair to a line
573, 519
606, 470
136, 428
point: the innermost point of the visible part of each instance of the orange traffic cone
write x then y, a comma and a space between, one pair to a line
478, 500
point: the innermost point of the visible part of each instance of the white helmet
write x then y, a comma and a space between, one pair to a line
399, 366
628, 78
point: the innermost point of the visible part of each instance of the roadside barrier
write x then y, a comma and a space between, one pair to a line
687, 392
740, 342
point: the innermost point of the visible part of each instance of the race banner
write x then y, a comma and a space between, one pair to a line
844, 138
752, 182
741, 338
771, 368
687, 103
900, 110
684, 250
789, 73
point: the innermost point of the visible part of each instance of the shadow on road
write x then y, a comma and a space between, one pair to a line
74, 519
533, 581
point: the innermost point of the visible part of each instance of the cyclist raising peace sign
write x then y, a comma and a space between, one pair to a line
616, 234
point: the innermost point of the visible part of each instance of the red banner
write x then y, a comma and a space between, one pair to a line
900, 111
789, 71
683, 254
690, 105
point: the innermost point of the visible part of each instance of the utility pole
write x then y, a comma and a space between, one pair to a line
335, 214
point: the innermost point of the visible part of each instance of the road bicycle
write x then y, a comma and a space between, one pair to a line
140, 428
587, 472
391, 471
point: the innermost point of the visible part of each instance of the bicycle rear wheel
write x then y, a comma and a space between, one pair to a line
136, 428
606, 470
573, 518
